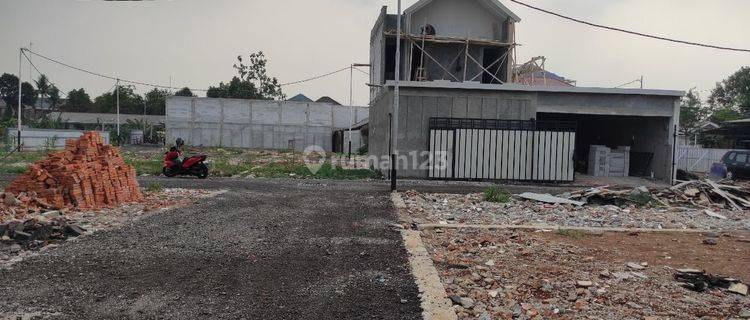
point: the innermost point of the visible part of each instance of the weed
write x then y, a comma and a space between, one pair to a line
573, 234
155, 187
495, 194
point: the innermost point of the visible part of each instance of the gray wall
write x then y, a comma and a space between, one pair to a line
256, 124
44, 139
417, 105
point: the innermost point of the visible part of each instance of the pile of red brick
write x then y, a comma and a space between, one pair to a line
86, 175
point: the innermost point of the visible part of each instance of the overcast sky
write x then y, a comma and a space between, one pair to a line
197, 41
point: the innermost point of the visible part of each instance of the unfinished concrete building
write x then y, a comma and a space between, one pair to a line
459, 102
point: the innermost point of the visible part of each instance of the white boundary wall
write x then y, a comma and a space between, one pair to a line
694, 159
41, 139
256, 124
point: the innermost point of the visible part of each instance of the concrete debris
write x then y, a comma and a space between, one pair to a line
714, 214
87, 174
535, 277
549, 199
702, 282
452, 209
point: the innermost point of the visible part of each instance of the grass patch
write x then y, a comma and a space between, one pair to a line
155, 187
145, 166
497, 195
573, 234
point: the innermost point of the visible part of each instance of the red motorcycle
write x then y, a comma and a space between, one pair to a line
194, 166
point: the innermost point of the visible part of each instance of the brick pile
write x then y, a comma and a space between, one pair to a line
87, 174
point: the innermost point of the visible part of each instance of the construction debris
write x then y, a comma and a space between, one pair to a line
695, 193
700, 281
450, 209
87, 174
549, 199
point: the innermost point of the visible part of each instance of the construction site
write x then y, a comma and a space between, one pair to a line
474, 184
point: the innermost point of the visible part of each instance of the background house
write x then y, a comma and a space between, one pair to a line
491, 126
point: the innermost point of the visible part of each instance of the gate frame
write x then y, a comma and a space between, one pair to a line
455, 124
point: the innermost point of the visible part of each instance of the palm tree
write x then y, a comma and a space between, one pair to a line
43, 87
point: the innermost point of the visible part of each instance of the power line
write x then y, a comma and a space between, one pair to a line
105, 76
316, 77
39, 72
632, 32
360, 70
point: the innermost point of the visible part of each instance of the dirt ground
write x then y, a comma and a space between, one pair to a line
533, 275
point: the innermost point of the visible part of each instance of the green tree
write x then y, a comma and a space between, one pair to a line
731, 97
252, 81
78, 101
48, 92
184, 92
130, 102
156, 101
9, 93
692, 112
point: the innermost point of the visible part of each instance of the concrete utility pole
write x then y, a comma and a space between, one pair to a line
117, 90
394, 117
20, 94
351, 101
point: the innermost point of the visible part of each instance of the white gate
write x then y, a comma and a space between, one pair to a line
474, 149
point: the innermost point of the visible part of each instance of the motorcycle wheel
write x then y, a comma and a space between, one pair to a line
201, 171
168, 173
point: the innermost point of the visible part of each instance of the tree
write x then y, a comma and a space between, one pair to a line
78, 101
731, 97
252, 82
9, 93
156, 101
692, 112
130, 102
48, 93
184, 92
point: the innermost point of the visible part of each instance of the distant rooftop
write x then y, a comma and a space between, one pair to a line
300, 98
328, 99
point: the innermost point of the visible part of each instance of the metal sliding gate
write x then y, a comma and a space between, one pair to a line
488, 149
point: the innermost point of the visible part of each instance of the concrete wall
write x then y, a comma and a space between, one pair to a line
105, 118
453, 18
418, 104
44, 139
256, 123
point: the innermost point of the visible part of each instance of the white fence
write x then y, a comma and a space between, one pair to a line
44, 139
694, 159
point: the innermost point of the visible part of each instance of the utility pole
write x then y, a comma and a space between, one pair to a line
394, 117
351, 101
20, 94
641, 82
117, 90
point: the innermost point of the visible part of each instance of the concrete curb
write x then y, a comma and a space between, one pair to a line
431, 226
435, 305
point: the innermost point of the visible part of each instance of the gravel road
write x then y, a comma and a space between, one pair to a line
265, 250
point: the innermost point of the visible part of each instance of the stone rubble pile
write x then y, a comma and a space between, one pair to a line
472, 209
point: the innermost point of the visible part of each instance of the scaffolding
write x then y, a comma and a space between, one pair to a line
420, 42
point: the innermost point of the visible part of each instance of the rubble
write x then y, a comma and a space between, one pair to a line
701, 281
87, 174
605, 208
536, 277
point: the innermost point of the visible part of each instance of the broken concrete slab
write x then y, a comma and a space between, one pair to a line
548, 198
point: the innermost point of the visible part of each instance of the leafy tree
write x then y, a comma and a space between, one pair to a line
9, 93
156, 101
731, 97
130, 102
78, 101
692, 112
47, 90
251, 83
184, 92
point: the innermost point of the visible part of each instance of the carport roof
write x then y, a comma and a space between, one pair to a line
518, 87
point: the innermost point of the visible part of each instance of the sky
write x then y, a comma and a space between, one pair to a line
194, 43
